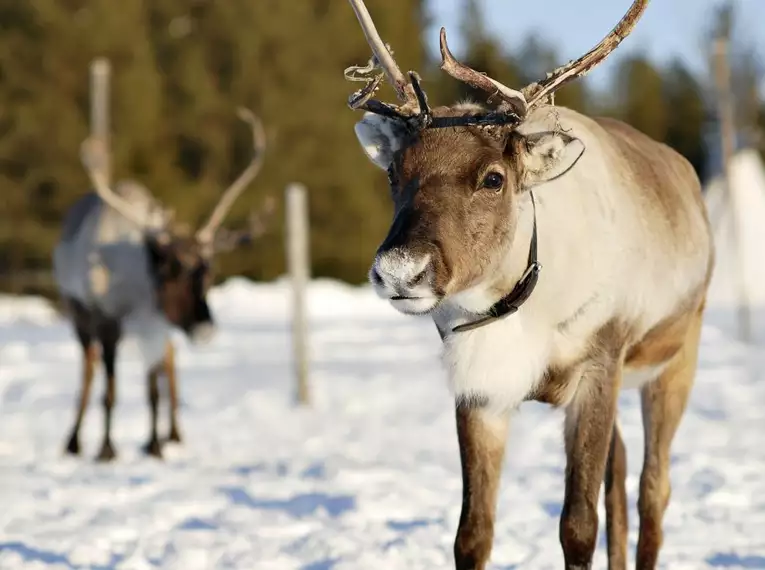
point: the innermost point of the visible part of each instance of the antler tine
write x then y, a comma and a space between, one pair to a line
93, 157
381, 56
586, 63
207, 233
462, 72
257, 226
258, 220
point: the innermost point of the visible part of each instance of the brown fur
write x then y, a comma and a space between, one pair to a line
664, 403
594, 448
557, 384
169, 365
589, 423
661, 343
667, 180
153, 447
674, 340
182, 279
482, 450
616, 503
471, 222
442, 209
90, 355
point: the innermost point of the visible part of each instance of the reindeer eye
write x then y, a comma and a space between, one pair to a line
493, 181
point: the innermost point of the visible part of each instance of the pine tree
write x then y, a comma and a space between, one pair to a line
639, 88
686, 115
179, 71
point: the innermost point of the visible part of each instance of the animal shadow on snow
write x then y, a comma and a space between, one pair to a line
34, 555
301, 505
723, 560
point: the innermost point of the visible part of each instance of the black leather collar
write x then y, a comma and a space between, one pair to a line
511, 302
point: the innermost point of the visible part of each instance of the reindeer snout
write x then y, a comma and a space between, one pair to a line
202, 333
401, 272
404, 278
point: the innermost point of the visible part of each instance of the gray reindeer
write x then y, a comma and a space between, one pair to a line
123, 268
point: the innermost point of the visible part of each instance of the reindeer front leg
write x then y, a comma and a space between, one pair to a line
588, 431
482, 436
169, 364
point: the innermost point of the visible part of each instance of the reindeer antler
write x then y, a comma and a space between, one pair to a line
516, 104
94, 159
258, 222
537, 92
462, 72
206, 235
382, 59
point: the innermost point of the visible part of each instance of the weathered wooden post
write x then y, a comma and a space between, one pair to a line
100, 77
728, 144
298, 263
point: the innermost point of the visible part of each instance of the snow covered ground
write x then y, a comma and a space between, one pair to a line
367, 479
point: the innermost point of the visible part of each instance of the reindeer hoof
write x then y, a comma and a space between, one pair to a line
73, 447
174, 436
107, 453
153, 448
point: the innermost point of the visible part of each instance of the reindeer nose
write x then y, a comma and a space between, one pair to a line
388, 279
399, 271
419, 278
375, 277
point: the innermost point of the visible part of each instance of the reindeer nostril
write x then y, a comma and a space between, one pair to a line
418, 279
375, 277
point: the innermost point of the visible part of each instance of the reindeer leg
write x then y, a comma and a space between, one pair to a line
109, 334
153, 447
90, 353
174, 434
616, 503
664, 403
482, 438
589, 424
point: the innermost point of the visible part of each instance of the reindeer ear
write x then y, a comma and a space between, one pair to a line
549, 155
380, 137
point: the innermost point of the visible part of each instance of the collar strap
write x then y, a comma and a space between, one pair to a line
511, 302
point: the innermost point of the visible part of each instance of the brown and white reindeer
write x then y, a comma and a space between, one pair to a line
122, 267
482, 199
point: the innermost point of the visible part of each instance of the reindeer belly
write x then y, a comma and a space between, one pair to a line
633, 378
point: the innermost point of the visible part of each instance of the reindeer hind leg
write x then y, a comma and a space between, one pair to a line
153, 446
663, 405
174, 435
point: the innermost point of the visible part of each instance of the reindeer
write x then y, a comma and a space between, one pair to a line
483, 196
121, 267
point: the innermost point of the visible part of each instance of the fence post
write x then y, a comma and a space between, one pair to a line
100, 77
298, 263
726, 117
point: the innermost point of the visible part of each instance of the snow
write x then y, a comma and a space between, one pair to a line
740, 263
367, 478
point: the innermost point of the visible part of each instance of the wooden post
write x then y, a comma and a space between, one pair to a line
299, 267
728, 144
100, 77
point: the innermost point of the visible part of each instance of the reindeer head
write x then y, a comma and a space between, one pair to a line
180, 264
458, 174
